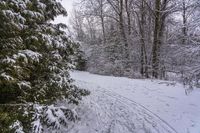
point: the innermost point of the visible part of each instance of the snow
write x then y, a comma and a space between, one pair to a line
56, 55
8, 60
37, 126
53, 118
21, 4
33, 14
12, 16
41, 5
6, 77
24, 84
123, 105
17, 125
28, 53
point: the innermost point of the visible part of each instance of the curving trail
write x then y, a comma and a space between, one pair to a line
121, 105
108, 112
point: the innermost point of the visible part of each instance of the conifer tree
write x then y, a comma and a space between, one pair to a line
35, 59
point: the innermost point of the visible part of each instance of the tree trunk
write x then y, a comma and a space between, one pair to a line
155, 50
102, 21
123, 34
142, 39
184, 29
160, 16
128, 16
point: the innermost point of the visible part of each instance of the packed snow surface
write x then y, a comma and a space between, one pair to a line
123, 105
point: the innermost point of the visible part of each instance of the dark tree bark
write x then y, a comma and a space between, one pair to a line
160, 16
119, 10
184, 29
102, 20
123, 35
128, 13
155, 50
143, 58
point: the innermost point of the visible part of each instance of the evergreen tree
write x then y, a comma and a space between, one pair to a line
35, 58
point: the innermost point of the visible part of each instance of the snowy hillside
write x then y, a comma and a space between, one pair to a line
122, 105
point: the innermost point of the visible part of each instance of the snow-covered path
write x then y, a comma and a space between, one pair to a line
122, 105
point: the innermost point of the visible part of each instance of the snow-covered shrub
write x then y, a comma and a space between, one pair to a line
184, 65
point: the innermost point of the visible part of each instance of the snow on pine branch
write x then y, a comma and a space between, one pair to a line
6, 77
15, 17
33, 15
48, 118
17, 126
8, 60
52, 117
35, 56
20, 4
25, 84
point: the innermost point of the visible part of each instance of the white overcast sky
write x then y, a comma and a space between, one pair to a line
68, 4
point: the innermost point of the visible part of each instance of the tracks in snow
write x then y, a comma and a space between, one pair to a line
109, 112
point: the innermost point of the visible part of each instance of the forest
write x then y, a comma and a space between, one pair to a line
117, 66
140, 38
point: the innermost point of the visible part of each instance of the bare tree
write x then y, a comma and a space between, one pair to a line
118, 6
140, 36
161, 12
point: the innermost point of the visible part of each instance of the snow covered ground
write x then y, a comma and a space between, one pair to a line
123, 105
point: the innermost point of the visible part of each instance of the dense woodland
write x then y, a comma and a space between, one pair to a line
140, 38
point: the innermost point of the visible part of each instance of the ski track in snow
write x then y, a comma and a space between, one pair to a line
122, 105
